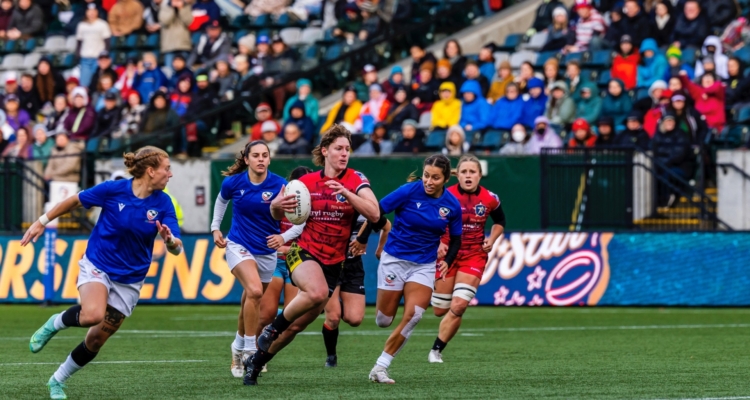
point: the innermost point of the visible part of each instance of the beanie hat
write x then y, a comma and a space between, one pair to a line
444, 63
673, 51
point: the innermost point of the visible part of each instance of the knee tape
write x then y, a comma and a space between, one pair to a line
383, 320
409, 327
441, 300
464, 291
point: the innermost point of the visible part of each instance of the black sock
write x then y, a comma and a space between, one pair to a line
261, 358
82, 355
70, 316
281, 323
331, 339
439, 345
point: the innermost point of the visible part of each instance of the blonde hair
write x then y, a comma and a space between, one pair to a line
331, 135
138, 162
468, 158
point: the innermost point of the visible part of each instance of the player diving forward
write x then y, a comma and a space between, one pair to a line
459, 285
118, 256
424, 210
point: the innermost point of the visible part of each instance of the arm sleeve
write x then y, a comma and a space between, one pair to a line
454, 245
219, 209
293, 232
498, 216
395, 200
95, 196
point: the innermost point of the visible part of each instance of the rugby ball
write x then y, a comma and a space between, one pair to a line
302, 211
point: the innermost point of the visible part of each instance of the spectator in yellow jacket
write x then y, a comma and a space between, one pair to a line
446, 112
345, 110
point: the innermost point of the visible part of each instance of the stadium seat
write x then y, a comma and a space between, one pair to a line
31, 60
741, 116
12, 62
542, 58
195, 37
435, 140
333, 52
65, 61
71, 43
572, 56
115, 143
242, 21
153, 41
55, 44
689, 56
291, 36
522, 56
260, 21
130, 42
500, 56
27, 45
743, 54
239, 35
604, 78
425, 120
92, 146
311, 35
537, 41
511, 42
600, 59
641, 93
492, 140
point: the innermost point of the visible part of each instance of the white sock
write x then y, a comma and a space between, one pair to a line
239, 342
384, 360
250, 343
68, 368
58, 322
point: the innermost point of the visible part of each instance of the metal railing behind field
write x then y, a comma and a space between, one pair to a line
25, 191
620, 189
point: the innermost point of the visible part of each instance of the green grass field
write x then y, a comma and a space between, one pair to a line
171, 352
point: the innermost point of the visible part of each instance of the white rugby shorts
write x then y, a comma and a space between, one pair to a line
393, 273
122, 296
237, 253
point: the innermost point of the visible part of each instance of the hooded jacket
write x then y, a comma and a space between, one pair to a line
538, 141
159, 119
497, 88
389, 86
533, 107
455, 150
708, 101
505, 113
625, 68
476, 114
80, 121
617, 107
446, 113
690, 33
606, 140
560, 111
350, 114
651, 69
590, 109
311, 103
720, 60
305, 124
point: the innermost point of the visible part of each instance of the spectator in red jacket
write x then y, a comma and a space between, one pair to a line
708, 97
653, 115
625, 63
582, 135
263, 113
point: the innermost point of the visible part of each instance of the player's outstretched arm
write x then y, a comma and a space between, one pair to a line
37, 228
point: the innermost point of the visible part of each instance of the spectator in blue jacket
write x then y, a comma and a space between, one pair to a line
653, 64
507, 111
474, 108
534, 102
149, 77
298, 117
180, 69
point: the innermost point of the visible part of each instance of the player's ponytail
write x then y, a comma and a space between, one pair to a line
334, 132
469, 158
139, 161
240, 165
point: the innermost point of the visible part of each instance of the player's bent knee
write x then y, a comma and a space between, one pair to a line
332, 322
354, 322
441, 300
91, 317
383, 320
439, 312
254, 294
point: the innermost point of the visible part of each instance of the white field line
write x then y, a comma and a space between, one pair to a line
713, 398
361, 332
106, 362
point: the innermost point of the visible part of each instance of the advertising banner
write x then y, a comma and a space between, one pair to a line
524, 269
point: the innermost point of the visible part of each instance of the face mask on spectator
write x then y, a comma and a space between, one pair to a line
541, 130
519, 135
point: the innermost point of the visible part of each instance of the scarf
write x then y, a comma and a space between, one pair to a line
661, 22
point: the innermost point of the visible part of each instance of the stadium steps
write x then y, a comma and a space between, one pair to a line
684, 214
